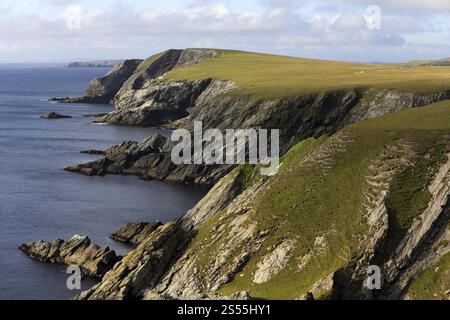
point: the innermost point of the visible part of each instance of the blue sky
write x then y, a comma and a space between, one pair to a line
67, 30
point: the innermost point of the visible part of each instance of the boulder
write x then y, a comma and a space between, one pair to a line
54, 115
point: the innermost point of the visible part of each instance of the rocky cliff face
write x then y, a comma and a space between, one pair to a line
103, 90
146, 265
210, 247
135, 233
197, 255
298, 118
421, 246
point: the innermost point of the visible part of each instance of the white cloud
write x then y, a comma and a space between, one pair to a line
322, 29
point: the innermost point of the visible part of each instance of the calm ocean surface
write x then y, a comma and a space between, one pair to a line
40, 201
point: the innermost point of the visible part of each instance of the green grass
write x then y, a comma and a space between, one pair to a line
302, 204
271, 76
409, 196
433, 283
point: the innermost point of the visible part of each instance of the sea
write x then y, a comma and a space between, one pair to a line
40, 201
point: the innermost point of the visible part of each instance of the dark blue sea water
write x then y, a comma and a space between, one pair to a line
38, 200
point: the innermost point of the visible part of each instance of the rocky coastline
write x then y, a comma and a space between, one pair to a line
93, 260
162, 266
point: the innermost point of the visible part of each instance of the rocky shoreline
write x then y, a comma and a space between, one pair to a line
162, 266
93, 260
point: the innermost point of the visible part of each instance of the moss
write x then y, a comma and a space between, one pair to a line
443, 244
248, 176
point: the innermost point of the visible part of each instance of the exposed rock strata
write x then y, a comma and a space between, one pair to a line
298, 118
274, 262
143, 268
93, 260
419, 248
135, 233
103, 90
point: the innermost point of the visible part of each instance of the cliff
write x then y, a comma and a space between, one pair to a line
313, 228
364, 178
103, 90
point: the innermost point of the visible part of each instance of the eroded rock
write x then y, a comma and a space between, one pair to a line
93, 260
274, 262
135, 233
103, 90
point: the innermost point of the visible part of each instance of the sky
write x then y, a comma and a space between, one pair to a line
352, 30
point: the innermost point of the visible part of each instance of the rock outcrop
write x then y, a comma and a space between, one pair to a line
143, 268
180, 260
93, 260
418, 249
54, 115
298, 118
103, 90
135, 233
92, 152
150, 159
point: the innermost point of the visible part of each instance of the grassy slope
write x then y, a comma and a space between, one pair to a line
433, 283
305, 204
270, 76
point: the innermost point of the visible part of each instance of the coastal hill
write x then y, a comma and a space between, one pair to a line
364, 178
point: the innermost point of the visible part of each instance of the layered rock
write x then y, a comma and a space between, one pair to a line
378, 103
93, 260
162, 102
150, 159
103, 90
135, 233
143, 268
135, 91
298, 118
418, 249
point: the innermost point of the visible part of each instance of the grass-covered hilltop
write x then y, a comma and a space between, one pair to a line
364, 178
271, 76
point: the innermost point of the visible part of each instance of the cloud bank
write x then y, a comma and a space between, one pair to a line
64, 30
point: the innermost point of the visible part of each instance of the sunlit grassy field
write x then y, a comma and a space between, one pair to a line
271, 76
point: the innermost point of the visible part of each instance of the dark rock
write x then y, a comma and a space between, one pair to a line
54, 115
93, 260
103, 89
162, 103
92, 152
309, 297
94, 115
147, 100
135, 233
